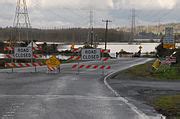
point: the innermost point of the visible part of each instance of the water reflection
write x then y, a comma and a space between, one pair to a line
116, 47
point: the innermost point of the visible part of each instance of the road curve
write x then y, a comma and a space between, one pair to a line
66, 95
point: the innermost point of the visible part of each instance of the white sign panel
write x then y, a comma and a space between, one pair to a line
169, 37
90, 54
22, 53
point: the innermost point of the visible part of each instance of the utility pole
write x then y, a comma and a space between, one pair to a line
92, 37
106, 32
159, 26
91, 28
133, 25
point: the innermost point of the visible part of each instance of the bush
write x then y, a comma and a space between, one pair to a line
177, 55
162, 52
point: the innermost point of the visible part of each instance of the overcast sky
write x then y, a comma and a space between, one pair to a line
75, 13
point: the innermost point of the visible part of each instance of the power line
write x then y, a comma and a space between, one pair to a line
133, 25
91, 27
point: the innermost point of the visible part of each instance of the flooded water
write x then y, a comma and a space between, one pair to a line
116, 47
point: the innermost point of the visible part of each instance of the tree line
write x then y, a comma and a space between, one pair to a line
77, 35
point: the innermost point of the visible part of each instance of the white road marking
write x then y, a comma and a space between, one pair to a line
133, 107
64, 97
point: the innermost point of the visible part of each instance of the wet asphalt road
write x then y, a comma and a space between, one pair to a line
66, 95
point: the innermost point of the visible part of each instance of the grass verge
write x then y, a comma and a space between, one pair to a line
165, 72
168, 105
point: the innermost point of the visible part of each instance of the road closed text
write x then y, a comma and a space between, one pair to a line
23, 53
92, 57
90, 54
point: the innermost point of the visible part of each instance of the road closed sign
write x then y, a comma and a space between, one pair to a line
22, 53
90, 54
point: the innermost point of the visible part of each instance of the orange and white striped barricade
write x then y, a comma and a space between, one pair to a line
83, 66
105, 51
12, 48
35, 56
74, 58
21, 65
76, 50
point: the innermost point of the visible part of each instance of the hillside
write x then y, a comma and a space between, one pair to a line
159, 28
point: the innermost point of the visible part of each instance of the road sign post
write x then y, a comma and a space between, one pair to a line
79, 55
104, 60
103, 64
35, 69
78, 67
11, 52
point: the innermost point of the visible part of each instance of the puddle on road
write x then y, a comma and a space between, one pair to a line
10, 114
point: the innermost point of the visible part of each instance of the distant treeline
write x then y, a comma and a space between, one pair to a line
64, 35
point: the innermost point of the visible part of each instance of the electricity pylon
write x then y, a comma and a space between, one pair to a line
90, 38
21, 22
21, 19
133, 26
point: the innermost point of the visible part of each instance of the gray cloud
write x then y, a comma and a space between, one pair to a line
145, 4
69, 13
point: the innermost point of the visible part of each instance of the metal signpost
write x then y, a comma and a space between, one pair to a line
103, 61
78, 62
